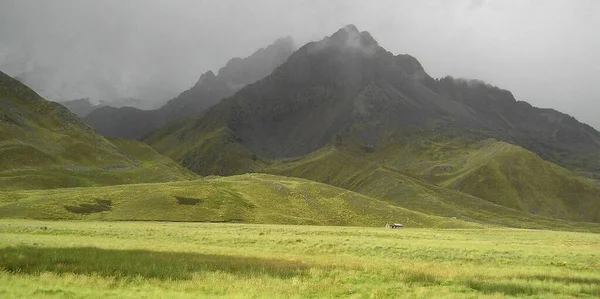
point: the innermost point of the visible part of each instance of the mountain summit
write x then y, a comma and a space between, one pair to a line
326, 87
351, 39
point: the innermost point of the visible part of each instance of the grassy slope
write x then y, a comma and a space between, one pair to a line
205, 145
496, 171
254, 198
518, 178
146, 165
57, 259
152, 166
43, 145
337, 168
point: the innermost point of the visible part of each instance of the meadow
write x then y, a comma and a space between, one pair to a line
103, 259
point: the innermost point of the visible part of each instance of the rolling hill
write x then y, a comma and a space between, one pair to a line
43, 145
250, 198
254, 198
494, 175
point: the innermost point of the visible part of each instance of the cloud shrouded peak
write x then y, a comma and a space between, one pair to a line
351, 39
546, 52
206, 78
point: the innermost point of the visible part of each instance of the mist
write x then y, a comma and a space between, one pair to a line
545, 52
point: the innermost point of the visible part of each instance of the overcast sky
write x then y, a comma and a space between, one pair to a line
546, 52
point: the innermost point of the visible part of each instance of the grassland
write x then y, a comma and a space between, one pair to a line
338, 168
422, 171
492, 170
252, 198
262, 198
57, 259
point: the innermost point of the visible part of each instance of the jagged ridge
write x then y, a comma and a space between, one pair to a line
134, 123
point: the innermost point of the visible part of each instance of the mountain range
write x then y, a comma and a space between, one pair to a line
342, 117
348, 93
133, 123
81, 107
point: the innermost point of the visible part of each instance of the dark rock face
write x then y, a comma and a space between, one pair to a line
134, 123
326, 86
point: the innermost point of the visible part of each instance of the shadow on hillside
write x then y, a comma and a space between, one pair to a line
562, 279
143, 263
588, 286
507, 288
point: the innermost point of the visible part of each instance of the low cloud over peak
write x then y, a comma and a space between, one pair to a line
545, 52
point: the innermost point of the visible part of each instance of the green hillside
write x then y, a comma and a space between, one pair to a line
250, 198
253, 198
43, 145
496, 171
146, 166
332, 166
509, 175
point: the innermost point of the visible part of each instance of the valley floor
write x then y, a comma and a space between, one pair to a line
58, 259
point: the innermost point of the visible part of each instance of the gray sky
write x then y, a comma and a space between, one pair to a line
546, 52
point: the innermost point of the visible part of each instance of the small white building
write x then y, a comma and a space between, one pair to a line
394, 225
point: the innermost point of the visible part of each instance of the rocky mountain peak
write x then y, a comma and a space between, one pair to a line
285, 43
206, 78
349, 37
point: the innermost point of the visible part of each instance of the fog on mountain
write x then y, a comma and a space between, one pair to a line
545, 52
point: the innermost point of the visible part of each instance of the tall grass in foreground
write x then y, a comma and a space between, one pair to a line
124, 264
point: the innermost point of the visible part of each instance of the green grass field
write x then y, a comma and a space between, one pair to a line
75, 259
251, 198
267, 199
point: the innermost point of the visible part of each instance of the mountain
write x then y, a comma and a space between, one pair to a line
124, 122
208, 91
43, 145
348, 92
81, 107
553, 135
127, 102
